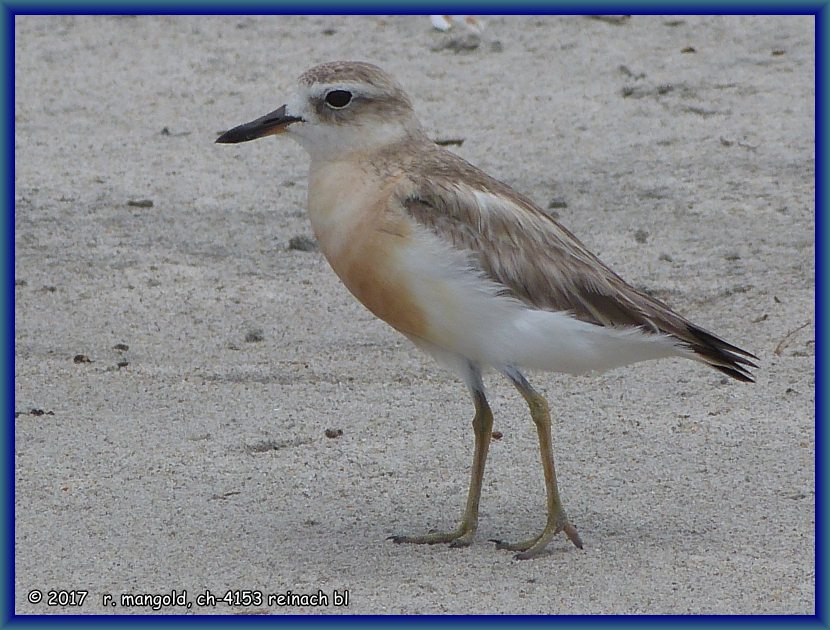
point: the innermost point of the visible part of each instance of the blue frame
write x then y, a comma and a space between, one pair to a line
822, 23
8, 11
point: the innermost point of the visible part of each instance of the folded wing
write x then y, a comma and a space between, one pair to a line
542, 264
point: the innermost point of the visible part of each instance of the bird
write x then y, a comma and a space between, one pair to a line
471, 271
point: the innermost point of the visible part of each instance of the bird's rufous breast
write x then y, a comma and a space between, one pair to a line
364, 238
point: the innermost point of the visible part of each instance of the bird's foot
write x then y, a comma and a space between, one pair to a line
535, 547
460, 537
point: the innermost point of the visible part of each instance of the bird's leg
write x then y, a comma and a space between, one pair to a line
557, 519
482, 428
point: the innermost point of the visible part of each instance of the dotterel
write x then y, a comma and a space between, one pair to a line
471, 271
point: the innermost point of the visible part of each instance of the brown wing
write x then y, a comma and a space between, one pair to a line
541, 263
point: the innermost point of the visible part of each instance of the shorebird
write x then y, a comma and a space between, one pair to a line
471, 271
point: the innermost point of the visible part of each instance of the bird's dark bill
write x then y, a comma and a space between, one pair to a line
268, 125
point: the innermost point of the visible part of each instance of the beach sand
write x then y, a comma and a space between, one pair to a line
178, 364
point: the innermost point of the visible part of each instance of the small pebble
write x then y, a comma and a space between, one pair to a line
140, 203
303, 244
464, 42
255, 335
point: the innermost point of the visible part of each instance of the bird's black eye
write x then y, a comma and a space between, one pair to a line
338, 99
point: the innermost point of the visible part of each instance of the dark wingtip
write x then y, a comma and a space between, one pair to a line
738, 374
723, 356
710, 339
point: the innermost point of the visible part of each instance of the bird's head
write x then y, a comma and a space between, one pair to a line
338, 108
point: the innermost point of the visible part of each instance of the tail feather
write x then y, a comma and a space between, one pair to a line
724, 357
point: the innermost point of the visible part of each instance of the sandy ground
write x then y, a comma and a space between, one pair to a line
195, 457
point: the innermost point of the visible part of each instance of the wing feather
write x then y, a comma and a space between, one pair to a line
539, 262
